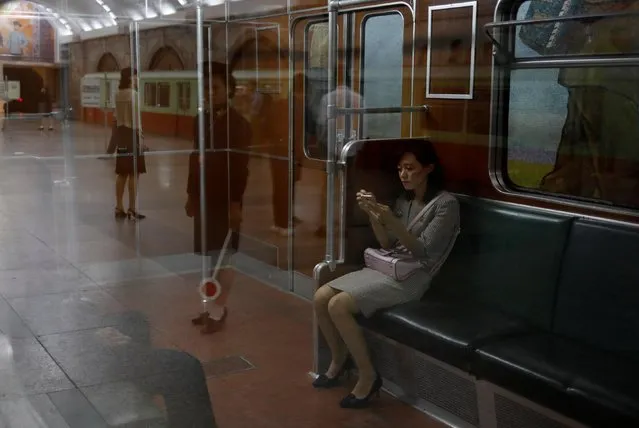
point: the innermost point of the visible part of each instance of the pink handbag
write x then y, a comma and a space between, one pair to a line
397, 263
393, 263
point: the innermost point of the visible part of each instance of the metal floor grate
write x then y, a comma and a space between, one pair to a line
511, 414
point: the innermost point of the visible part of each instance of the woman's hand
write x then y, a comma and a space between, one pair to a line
366, 201
385, 216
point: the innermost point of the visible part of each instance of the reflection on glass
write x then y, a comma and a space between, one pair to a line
613, 35
575, 132
451, 51
315, 86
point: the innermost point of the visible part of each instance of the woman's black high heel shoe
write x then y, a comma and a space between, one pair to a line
352, 402
324, 381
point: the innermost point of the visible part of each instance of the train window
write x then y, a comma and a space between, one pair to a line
382, 68
107, 94
149, 94
157, 94
571, 130
164, 94
184, 95
552, 38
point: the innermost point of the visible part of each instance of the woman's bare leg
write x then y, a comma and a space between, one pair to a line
132, 192
338, 349
342, 309
120, 184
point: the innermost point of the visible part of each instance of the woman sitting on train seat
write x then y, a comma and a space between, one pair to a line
423, 225
225, 182
130, 161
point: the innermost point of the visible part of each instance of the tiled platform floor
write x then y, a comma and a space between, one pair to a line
94, 314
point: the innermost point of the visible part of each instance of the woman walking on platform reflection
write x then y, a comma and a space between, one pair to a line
226, 175
127, 136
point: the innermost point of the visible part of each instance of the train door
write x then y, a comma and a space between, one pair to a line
373, 69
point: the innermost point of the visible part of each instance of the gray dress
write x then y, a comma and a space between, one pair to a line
437, 231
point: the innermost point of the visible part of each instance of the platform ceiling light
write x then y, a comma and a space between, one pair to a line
182, 2
150, 13
108, 10
167, 9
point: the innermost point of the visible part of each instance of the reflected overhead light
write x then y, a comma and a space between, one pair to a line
167, 9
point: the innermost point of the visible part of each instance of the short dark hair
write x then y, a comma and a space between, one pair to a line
218, 70
126, 74
425, 154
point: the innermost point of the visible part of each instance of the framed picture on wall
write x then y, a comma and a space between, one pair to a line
450, 63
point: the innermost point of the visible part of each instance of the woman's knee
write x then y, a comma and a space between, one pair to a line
322, 296
341, 305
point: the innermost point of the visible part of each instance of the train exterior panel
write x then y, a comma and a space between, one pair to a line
457, 82
539, 139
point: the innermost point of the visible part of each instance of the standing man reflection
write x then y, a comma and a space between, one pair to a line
225, 183
342, 97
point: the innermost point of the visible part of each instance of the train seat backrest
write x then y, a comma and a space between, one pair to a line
598, 294
507, 258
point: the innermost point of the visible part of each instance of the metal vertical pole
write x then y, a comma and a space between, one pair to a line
201, 135
107, 135
332, 131
137, 111
290, 254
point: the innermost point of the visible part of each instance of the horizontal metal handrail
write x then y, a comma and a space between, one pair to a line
594, 16
378, 110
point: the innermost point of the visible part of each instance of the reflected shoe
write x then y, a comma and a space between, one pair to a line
201, 319
352, 402
133, 215
323, 381
211, 325
282, 231
120, 214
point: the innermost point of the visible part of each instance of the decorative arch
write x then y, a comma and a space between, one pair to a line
107, 63
244, 53
166, 58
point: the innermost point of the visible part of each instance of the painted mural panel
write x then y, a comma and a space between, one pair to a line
24, 36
